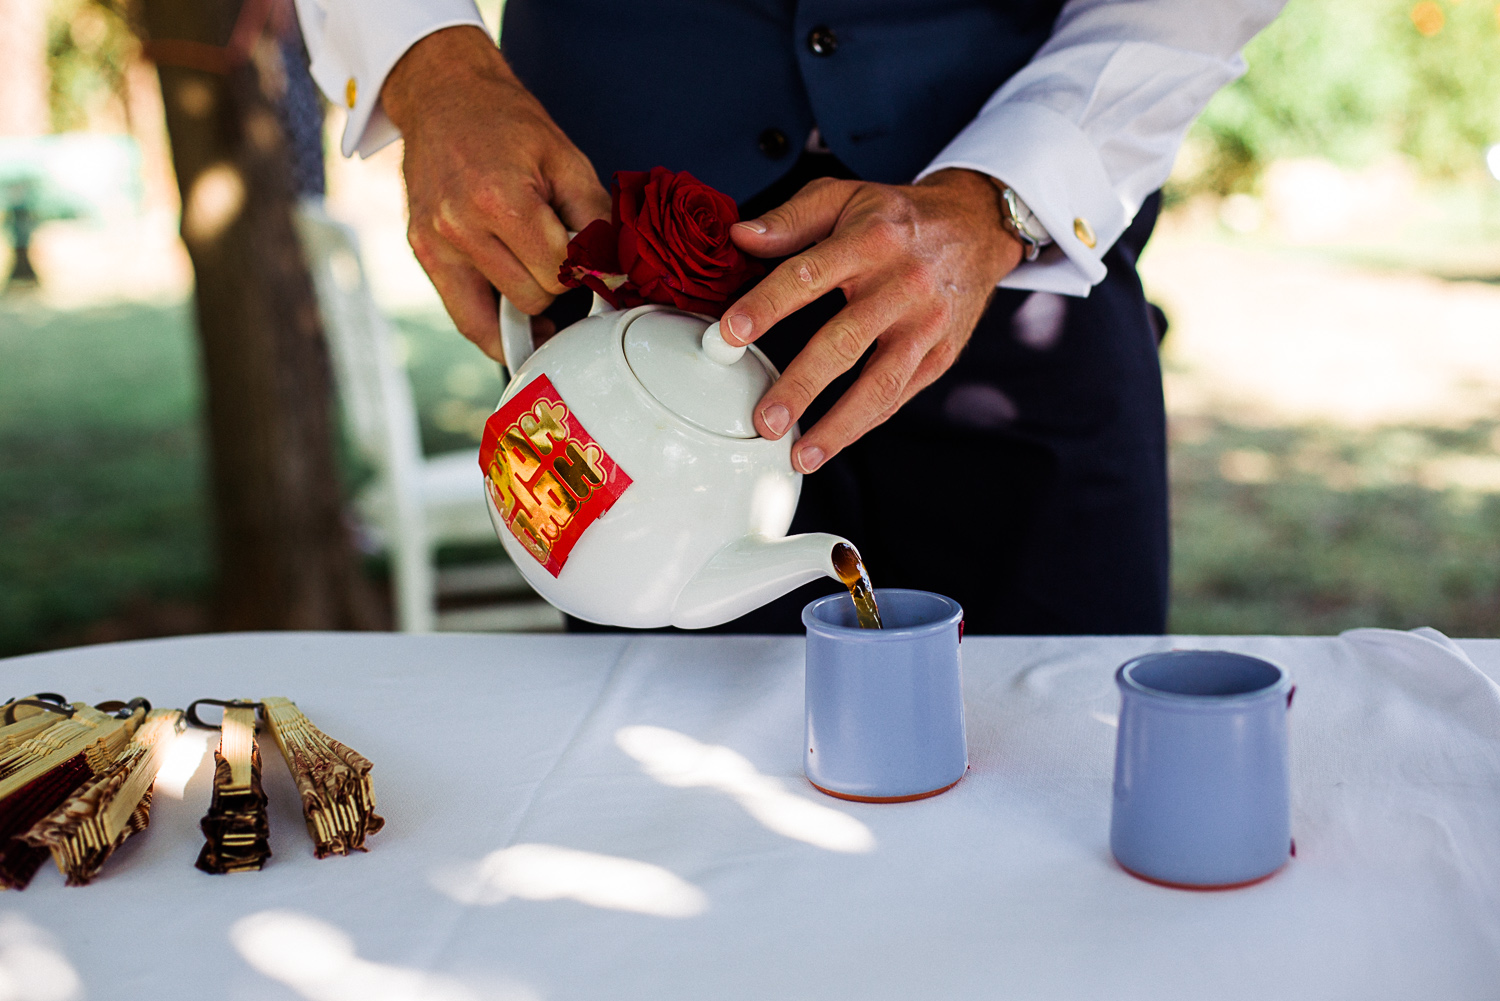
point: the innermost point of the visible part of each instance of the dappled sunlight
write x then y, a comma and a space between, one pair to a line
1275, 339
551, 872
1475, 473
182, 762
1435, 458
675, 759
318, 961
215, 200
1247, 465
32, 967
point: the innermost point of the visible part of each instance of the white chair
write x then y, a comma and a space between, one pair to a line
415, 504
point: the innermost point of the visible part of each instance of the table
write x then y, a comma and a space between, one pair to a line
621, 817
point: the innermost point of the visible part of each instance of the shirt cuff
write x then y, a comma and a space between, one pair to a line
360, 46
1058, 173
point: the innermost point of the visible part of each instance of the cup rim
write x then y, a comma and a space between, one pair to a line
856, 633
1127, 682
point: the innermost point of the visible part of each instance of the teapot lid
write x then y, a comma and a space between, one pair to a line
714, 389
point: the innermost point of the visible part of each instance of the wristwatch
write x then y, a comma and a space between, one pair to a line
1022, 223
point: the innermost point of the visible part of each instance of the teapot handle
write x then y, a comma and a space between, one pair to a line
515, 332
515, 336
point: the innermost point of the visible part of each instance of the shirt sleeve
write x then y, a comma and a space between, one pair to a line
353, 45
1090, 127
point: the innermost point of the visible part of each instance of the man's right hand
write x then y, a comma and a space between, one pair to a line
492, 182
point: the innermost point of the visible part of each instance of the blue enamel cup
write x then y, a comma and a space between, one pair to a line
1202, 788
885, 707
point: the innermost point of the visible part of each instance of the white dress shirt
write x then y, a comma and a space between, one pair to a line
1083, 133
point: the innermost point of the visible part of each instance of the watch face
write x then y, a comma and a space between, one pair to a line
1024, 220
1018, 219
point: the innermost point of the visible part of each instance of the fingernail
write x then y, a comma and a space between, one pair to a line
777, 418
739, 326
753, 225
810, 458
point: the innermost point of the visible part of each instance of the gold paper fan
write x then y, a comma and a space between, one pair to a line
43, 764
115, 803
338, 802
235, 829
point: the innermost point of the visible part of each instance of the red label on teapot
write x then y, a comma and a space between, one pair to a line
545, 474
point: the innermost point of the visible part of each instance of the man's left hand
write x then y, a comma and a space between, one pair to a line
917, 263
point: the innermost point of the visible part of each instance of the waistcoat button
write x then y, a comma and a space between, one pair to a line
822, 41
774, 143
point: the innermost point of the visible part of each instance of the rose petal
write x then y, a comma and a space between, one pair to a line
591, 250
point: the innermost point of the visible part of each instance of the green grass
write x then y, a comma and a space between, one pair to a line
102, 464
101, 467
102, 507
1342, 532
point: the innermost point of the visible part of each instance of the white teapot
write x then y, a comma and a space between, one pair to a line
625, 477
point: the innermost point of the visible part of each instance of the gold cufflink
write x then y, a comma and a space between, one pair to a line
351, 91
1084, 232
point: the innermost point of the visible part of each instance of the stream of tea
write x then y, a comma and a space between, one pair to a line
851, 570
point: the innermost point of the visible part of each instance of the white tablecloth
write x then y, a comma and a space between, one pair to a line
612, 817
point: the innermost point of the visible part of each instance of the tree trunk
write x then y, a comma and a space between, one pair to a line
286, 558
24, 109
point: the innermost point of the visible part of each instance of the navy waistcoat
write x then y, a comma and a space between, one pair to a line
730, 89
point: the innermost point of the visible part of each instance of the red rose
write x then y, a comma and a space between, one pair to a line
593, 262
668, 243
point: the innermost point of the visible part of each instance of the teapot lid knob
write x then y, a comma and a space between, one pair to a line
718, 350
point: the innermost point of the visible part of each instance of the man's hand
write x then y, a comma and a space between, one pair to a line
493, 183
918, 264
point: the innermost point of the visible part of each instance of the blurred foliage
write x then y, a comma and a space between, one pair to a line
1353, 81
456, 387
1349, 80
89, 46
103, 495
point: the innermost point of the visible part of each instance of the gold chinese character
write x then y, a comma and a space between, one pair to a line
527, 535
522, 458
580, 470
544, 425
509, 494
555, 506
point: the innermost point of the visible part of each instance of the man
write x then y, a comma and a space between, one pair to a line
958, 321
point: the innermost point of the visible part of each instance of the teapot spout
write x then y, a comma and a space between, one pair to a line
750, 572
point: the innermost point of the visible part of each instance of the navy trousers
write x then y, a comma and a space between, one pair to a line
1029, 482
